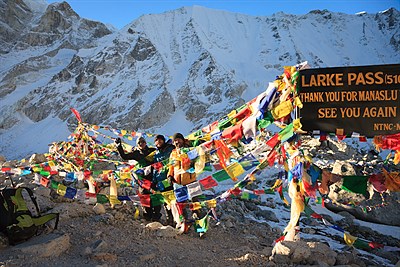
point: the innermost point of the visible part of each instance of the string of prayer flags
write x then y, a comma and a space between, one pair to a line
355, 184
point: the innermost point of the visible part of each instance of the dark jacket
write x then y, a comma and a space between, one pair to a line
144, 159
162, 155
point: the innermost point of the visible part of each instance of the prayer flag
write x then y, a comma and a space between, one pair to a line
102, 199
61, 189
234, 170
286, 133
156, 199
202, 224
273, 141
221, 175
355, 184
208, 182
181, 194
145, 200
168, 196
70, 192
349, 239
194, 189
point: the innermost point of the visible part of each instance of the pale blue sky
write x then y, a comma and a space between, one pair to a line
121, 12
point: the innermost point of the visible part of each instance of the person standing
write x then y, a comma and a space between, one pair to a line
142, 154
178, 174
160, 172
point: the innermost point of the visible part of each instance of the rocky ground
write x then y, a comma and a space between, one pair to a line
102, 236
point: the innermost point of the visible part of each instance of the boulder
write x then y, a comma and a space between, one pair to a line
50, 245
302, 252
37, 158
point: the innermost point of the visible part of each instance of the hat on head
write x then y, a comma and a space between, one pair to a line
178, 135
159, 136
140, 139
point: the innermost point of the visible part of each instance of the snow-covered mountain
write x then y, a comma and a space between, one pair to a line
175, 71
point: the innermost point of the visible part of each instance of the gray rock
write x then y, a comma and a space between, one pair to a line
51, 245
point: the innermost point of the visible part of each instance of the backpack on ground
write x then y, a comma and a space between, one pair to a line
16, 220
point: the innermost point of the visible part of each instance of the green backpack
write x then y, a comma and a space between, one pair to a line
16, 220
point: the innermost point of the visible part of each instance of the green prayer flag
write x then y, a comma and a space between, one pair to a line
220, 176
286, 133
102, 199
355, 184
264, 123
224, 124
361, 244
54, 184
207, 168
269, 191
156, 199
44, 173
308, 211
245, 195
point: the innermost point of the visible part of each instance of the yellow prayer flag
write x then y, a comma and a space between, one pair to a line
124, 132
297, 102
67, 167
196, 206
296, 124
136, 214
212, 203
349, 239
61, 189
339, 131
234, 170
232, 114
52, 164
36, 169
168, 196
125, 175
282, 110
278, 182
113, 200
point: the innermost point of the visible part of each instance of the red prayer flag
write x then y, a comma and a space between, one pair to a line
244, 113
208, 182
375, 245
77, 115
145, 200
316, 216
235, 191
233, 134
280, 239
44, 181
273, 141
